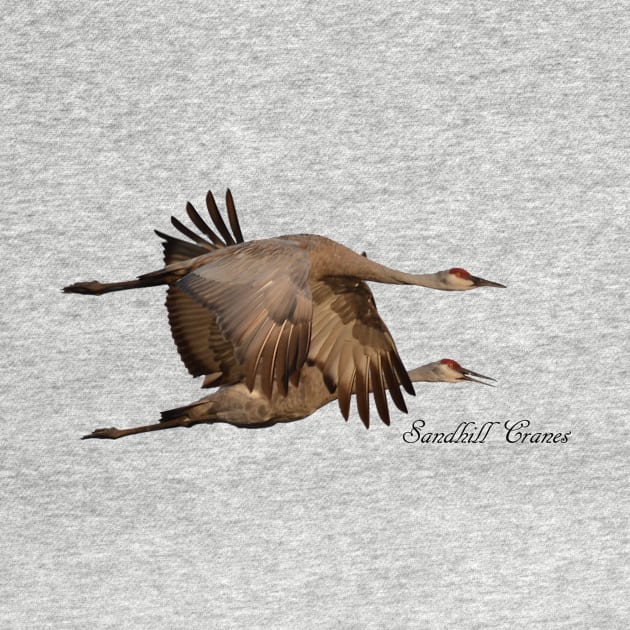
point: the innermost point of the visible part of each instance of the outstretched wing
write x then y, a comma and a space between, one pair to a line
260, 296
353, 348
200, 343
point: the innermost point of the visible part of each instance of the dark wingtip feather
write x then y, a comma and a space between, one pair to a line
376, 379
403, 405
345, 392
178, 225
233, 217
403, 375
202, 225
392, 385
217, 219
361, 388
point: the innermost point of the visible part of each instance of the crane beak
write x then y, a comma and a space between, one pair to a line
468, 374
480, 282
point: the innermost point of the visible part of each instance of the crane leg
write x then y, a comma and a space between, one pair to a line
112, 433
166, 275
94, 287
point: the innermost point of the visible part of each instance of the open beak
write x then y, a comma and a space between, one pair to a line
468, 374
480, 282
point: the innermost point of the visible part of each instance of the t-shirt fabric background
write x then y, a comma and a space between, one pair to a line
491, 136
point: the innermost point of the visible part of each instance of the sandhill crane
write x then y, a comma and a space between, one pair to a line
237, 405
288, 311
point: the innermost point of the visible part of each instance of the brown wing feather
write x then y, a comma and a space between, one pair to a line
233, 217
217, 219
197, 335
259, 293
201, 225
200, 343
353, 348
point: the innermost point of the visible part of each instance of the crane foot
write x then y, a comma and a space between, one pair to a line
111, 433
86, 288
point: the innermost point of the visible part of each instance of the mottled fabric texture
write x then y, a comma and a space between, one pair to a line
492, 136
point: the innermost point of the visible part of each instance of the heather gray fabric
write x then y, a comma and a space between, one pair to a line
492, 136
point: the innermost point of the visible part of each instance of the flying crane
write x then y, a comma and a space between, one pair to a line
282, 325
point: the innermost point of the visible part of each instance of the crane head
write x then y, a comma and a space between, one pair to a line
458, 279
452, 372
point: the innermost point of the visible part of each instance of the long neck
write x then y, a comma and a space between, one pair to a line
342, 261
392, 276
423, 374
